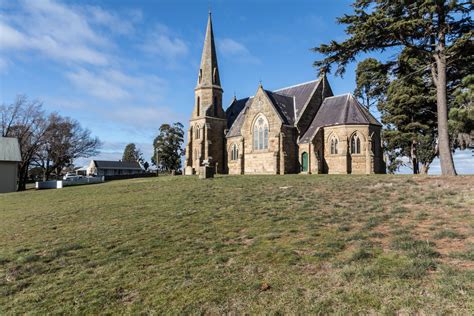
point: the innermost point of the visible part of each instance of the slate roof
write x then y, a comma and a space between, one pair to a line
9, 149
122, 165
339, 110
289, 102
285, 105
302, 92
234, 110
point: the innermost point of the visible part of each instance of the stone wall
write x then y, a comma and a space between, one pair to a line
235, 166
262, 161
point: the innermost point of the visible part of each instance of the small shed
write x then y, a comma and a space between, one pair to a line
10, 156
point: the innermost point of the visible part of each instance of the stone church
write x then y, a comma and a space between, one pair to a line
299, 129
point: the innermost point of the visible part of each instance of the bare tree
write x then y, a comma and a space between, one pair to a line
65, 141
24, 120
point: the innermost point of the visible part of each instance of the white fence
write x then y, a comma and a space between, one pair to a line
59, 184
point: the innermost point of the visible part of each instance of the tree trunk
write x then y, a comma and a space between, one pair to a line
445, 155
424, 168
22, 178
414, 158
439, 77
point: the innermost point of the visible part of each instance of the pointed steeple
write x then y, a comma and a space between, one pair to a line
209, 71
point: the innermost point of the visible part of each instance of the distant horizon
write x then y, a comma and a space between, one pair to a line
122, 68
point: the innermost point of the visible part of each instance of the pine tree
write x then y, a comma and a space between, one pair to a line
408, 111
440, 31
371, 81
132, 154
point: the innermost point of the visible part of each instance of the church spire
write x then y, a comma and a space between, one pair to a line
209, 71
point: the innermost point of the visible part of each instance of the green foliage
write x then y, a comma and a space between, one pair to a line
439, 35
132, 154
168, 147
461, 114
371, 80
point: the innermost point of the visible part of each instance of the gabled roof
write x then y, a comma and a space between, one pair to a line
9, 149
123, 165
234, 110
289, 102
285, 106
339, 110
302, 93
237, 123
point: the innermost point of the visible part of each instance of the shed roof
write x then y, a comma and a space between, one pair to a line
9, 149
339, 110
122, 165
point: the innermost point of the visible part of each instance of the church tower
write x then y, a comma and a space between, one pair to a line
206, 139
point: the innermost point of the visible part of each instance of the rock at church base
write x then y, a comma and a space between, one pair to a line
206, 172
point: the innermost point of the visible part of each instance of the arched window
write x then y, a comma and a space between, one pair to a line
234, 155
260, 134
355, 144
198, 132
198, 106
334, 145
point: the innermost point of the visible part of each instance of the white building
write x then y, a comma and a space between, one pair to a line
113, 168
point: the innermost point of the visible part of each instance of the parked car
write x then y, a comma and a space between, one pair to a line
71, 176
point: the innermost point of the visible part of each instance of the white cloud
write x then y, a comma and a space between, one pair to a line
11, 38
55, 30
96, 85
113, 21
162, 42
114, 85
237, 51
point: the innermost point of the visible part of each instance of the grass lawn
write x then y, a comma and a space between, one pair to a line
255, 244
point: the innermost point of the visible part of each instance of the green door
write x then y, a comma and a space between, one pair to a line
304, 162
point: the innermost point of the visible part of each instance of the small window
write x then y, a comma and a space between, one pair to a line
200, 75
355, 144
198, 106
334, 145
235, 152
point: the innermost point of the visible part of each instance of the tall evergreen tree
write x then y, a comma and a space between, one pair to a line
132, 154
439, 30
461, 115
408, 111
371, 81
168, 147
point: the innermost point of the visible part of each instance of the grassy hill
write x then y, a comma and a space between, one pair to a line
259, 244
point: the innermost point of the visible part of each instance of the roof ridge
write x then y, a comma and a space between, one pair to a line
297, 85
338, 96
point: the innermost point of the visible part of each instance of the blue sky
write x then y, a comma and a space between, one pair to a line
122, 68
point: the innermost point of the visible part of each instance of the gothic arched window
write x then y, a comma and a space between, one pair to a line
355, 144
334, 145
260, 134
198, 132
235, 152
